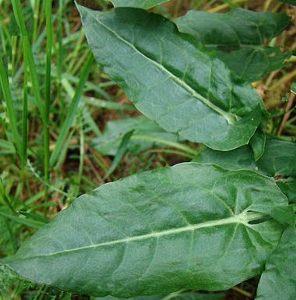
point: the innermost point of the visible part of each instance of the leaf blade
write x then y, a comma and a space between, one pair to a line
165, 89
278, 280
168, 210
278, 159
292, 2
228, 30
235, 41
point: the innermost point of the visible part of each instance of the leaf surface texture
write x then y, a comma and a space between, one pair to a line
239, 36
278, 159
279, 278
170, 79
190, 226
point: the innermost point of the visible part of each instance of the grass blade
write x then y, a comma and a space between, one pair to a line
72, 111
9, 104
25, 127
49, 46
32, 71
60, 45
28, 56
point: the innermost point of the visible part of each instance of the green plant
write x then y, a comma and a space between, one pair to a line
203, 225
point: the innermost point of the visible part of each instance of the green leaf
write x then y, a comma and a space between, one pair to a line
236, 28
278, 280
228, 30
258, 61
170, 79
284, 215
241, 158
288, 187
293, 2
137, 3
278, 159
257, 143
188, 227
238, 36
146, 134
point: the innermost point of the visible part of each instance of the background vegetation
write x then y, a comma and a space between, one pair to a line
55, 100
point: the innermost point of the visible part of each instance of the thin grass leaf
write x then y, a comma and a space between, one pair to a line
32, 71
71, 112
22, 220
60, 44
49, 46
10, 107
25, 127
28, 57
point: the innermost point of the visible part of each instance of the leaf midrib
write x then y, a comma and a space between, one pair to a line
242, 218
230, 118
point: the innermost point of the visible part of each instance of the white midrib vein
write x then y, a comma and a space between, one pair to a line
230, 118
242, 218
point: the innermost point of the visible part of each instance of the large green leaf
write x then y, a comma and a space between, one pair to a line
279, 278
238, 36
278, 159
138, 3
190, 226
146, 134
170, 79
